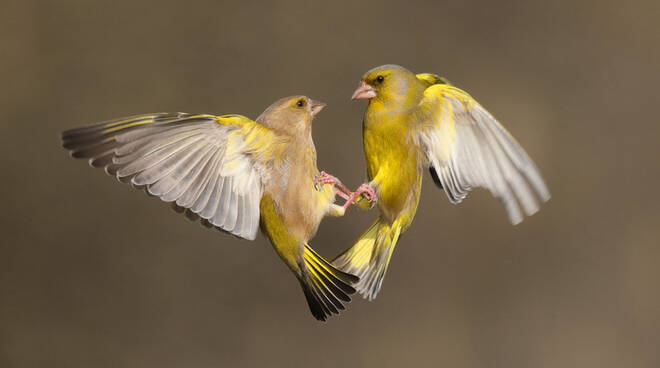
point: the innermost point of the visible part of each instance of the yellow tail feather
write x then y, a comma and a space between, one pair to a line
369, 257
325, 287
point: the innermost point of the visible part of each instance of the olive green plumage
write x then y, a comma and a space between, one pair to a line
418, 123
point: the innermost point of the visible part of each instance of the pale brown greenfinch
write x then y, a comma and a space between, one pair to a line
233, 174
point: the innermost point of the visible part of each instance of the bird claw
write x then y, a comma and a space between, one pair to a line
325, 178
368, 192
364, 190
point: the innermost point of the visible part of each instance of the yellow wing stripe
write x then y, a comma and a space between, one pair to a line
147, 119
132, 118
117, 127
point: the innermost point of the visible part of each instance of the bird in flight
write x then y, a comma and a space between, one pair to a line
419, 122
236, 175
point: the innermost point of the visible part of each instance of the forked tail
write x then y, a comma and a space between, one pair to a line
369, 256
325, 287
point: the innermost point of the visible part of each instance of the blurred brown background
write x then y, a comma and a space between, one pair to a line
94, 274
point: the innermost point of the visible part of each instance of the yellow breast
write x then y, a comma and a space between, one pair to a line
393, 163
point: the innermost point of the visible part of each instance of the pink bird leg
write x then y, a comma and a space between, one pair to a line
325, 178
365, 189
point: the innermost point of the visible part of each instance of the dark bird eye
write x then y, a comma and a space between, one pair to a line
300, 103
380, 79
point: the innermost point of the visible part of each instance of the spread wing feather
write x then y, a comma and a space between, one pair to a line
210, 167
466, 147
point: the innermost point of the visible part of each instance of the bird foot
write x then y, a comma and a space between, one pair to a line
364, 189
325, 178
368, 192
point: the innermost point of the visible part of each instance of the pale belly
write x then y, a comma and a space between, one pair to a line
302, 208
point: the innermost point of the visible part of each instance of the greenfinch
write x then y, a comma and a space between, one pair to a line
417, 122
233, 174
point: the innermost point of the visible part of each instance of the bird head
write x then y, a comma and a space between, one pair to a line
389, 84
292, 115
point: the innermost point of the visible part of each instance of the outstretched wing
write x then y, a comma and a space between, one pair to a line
213, 166
466, 148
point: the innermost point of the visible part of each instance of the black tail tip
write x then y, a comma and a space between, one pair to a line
316, 307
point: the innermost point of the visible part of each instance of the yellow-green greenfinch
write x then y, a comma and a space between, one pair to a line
233, 174
419, 122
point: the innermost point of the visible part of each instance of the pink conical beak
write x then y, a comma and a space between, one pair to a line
364, 92
316, 106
